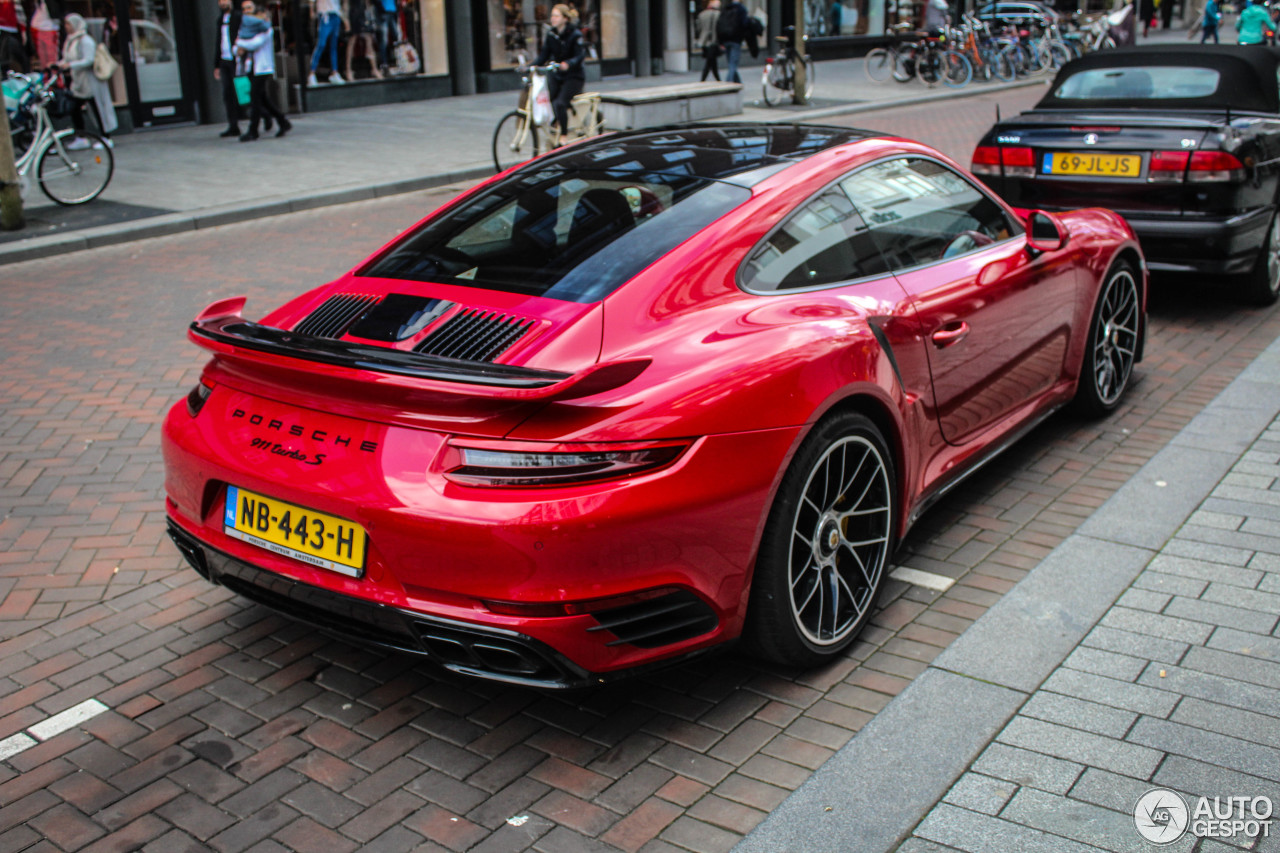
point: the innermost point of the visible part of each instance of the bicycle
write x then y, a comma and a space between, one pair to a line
67, 175
778, 79
526, 131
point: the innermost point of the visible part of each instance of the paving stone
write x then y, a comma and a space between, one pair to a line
1203, 685
1028, 768
1206, 562
1110, 664
1144, 599
1083, 747
1077, 713
1170, 585
1109, 790
1198, 779
1166, 627
1239, 642
979, 833
980, 793
1208, 747
1137, 645
1108, 691
1082, 822
1221, 614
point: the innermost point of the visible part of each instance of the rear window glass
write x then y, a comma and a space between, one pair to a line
1155, 82
561, 233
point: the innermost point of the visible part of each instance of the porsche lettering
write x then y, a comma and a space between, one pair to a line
300, 431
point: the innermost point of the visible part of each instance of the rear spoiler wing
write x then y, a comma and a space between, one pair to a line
221, 328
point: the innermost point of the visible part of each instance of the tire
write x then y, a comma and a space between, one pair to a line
1262, 285
879, 64
929, 67
957, 70
1002, 67
513, 143
826, 545
1112, 345
905, 60
75, 177
1059, 55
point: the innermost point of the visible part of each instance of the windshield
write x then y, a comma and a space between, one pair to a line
1154, 82
562, 233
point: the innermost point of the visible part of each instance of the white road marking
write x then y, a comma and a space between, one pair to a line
928, 580
52, 727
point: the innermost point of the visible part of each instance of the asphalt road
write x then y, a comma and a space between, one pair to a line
229, 727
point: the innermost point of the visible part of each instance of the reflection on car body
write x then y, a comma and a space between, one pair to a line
1184, 142
640, 397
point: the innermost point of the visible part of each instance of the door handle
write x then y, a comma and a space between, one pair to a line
952, 333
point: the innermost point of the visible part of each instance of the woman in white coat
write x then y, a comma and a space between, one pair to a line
77, 57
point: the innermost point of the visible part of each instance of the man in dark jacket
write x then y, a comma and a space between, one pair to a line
224, 62
731, 29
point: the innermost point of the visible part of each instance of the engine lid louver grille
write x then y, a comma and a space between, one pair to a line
336, 315
473, 335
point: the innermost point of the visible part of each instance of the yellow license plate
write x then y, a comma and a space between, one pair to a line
315, 538
1093, 165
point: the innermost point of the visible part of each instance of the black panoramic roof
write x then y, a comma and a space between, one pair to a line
741, 153
1247, 76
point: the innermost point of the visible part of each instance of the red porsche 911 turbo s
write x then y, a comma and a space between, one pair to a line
640, 397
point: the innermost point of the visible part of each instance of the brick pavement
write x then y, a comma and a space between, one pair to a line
1176, 687
231, 728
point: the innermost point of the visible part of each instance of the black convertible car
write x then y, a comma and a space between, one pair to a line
1183, 141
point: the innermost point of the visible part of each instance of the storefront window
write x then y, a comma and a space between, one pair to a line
377, 39
516, 29
844, 17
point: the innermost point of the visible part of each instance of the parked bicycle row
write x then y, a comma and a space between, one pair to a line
956, 55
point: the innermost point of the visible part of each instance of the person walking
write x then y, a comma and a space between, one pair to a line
224, 63
328, 29
86, 89
256, 45
563, 46
731, 29
1253, 25
1212, 17
705, 37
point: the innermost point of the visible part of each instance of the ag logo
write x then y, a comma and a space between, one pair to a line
1161, 816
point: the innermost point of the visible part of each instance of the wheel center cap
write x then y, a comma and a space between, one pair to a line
828, 537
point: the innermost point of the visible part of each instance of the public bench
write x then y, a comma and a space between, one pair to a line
676, 103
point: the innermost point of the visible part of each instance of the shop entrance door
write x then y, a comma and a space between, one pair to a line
157, 73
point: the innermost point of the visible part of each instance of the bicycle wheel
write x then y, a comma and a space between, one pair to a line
878, 64
515, 141
929, 67
905, 60
75, 177
1001, 65
776, 83
957, 70
810, 74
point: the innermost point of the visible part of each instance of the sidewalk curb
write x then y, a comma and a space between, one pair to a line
871, 794
209, 217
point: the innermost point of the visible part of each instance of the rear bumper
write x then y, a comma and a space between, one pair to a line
1214, 246
466, 648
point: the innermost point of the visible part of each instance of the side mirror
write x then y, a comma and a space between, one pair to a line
1045, 233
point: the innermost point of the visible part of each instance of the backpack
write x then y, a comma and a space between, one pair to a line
728, 26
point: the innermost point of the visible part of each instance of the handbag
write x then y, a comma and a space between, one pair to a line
104, 64
242, 91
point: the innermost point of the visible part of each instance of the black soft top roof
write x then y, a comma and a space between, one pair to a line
1247, 77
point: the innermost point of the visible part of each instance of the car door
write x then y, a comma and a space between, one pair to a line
996, 317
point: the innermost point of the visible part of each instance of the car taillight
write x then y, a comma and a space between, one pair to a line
1167, 166
1197, 166
1214, 166
522, 464
1017, 161
197, 397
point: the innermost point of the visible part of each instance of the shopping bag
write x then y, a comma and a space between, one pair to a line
542, 112
242, 91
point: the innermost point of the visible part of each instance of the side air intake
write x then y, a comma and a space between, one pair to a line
473, 335
337, 313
